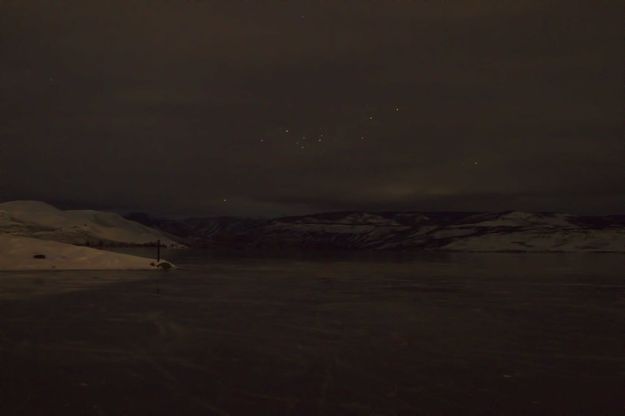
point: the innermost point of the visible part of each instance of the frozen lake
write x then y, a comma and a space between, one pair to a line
353, 334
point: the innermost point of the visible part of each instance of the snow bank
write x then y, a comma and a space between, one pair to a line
21, 253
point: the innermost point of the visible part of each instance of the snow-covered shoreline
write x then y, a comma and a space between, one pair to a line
23, 254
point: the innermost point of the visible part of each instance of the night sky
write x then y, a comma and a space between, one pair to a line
288, 107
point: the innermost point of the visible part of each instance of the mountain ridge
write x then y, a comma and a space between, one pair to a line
408, 230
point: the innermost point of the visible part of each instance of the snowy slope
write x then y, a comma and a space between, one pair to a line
522, 231
520, 219
18, 253
40, 220
542, 241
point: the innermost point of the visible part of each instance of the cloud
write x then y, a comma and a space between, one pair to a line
174, 106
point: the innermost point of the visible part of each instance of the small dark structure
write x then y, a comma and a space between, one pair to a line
164, 266
39, 256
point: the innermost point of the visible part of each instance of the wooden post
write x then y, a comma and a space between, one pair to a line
158, 251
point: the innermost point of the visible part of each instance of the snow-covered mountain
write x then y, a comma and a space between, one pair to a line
343, 230
522, 231
506, 231
40, 220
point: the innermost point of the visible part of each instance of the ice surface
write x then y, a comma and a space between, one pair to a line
472, 334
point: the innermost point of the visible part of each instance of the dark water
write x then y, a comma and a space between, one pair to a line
339, 334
